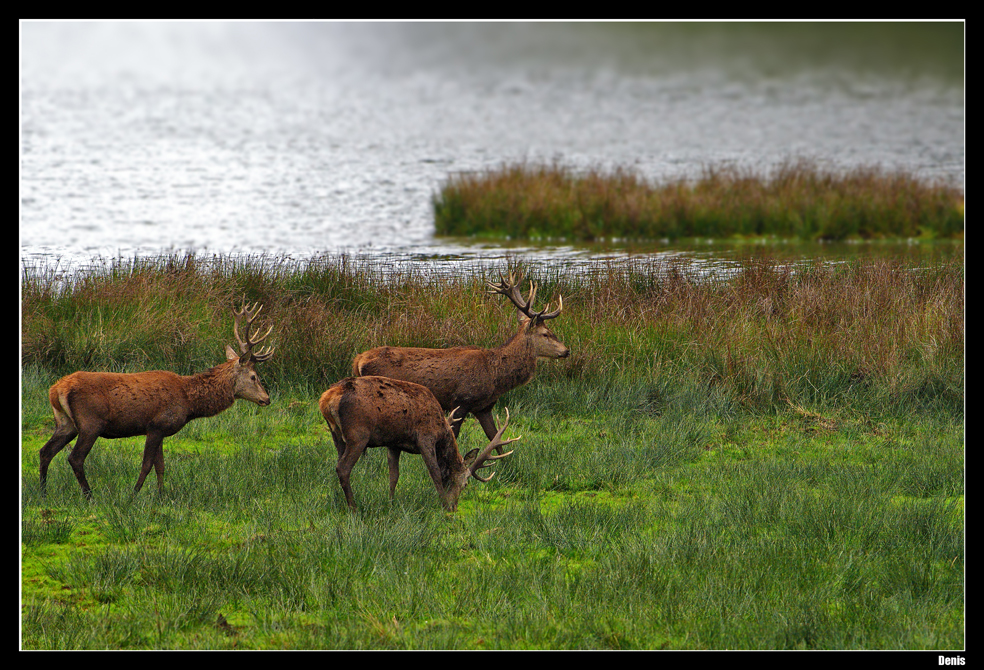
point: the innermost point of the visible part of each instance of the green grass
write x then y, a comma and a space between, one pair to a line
795, 200
768, 461
609, 529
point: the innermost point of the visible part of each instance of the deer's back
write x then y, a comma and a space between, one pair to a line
388, 412
121, 404
457, 375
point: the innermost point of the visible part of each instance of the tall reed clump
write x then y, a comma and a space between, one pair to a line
797, 200
767, 335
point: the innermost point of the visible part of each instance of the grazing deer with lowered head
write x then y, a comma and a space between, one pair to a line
156, 404
372, 411
472, 378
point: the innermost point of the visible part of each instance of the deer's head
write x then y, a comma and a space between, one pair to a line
533, 327
472, 462
246, 381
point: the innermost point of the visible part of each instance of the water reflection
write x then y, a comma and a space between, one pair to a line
305, 139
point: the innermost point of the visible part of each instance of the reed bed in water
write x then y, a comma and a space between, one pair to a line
796, 200
767, 334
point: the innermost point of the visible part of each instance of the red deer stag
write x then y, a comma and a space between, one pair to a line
156, 404
472, 378
372, 411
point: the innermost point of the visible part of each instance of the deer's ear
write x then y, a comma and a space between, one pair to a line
231, 353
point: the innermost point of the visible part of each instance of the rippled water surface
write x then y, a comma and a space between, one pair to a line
306, 139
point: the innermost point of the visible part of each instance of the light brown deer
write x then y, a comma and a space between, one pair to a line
472, 378
364, 412
156, 404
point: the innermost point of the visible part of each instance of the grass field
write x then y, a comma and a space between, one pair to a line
772, 460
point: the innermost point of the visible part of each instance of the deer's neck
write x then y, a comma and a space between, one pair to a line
514, 363
210, 392
449, 460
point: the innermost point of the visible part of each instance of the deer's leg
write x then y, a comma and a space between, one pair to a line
339, 443
152, 446
393, 459
488, 424
77, 458
159, 467
64, 433
346, 461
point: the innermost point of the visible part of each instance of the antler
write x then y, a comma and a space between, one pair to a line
484, 459
451, 419
246, 345
510, 289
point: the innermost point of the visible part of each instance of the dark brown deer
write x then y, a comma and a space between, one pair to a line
156, 404
372, 411
472, 378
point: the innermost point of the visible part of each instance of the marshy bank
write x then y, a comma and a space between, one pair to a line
796, 199
768, 334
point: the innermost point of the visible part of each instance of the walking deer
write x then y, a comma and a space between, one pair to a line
472, 378
157, 404
372, 411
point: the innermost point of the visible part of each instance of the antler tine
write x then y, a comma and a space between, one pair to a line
262, 337
251, 311
480, 477
263, 354
531, 297
247, 343
503, 286
482, 460
554, 314
451, 419
510, 289
543, 315
481, 463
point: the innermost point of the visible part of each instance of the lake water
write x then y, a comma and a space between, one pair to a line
305, 139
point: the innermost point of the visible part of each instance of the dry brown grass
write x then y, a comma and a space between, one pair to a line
769, 332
